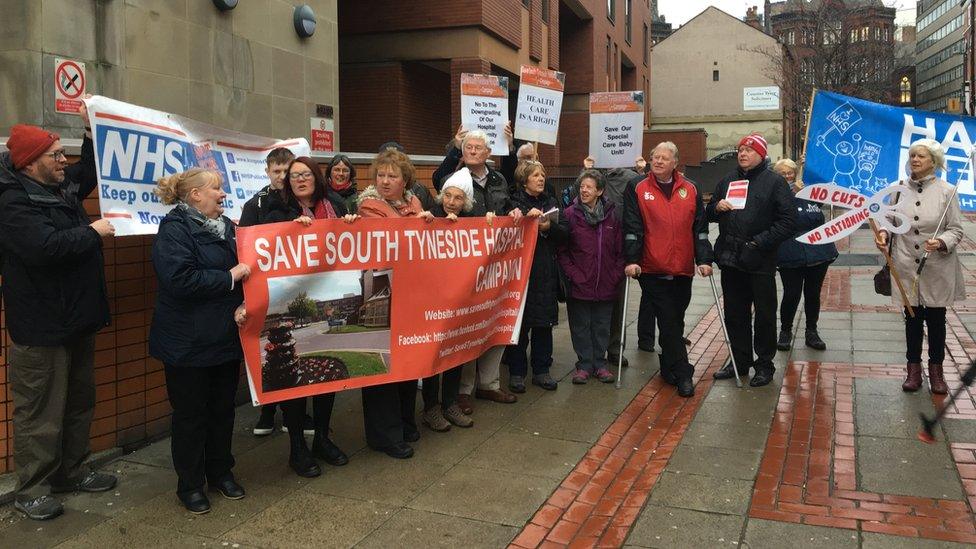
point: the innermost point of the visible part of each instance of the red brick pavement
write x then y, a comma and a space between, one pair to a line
596, 505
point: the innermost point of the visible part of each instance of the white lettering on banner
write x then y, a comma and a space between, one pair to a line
135, 147
957, 144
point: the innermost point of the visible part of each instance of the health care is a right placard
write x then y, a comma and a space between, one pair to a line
616, 128
540, 101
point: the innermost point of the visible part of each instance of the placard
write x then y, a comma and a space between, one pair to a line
540, 103
737, 193
616, 128
135, 146
484, 106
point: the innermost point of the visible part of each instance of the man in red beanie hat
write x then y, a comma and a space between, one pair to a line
55, 296
748, 236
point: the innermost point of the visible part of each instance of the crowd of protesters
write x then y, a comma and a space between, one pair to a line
650, 224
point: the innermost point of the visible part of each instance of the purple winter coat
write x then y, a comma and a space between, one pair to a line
593, 260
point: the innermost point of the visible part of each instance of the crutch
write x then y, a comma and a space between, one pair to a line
728, 342
623, 333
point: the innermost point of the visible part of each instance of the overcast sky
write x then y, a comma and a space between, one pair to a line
678, 12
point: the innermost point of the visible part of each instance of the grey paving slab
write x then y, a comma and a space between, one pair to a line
672, 527
137, 484
776, 535
877, 386
715, 462
18, 531
890, 415
554, 422
830, 355
880, 345
413, 528
522, 453
374, 476
486, 495
736, 412
112, 534
960, 430
894, 356
907, 467
702, 493
310, 519
734, 436
870, 540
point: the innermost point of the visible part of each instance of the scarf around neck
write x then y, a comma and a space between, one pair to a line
595, 214
215, 227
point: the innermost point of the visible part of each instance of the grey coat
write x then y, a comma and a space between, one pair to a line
941, 281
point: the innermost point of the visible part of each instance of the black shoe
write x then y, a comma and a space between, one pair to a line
196, 502
814, 341
93, 482
300, 460
762, 377
229, 488
612, 361
265, 424
516, 384
785, 339
327, 451
39, 508
545, 381
725, 372
685, 388
411, 434
400, 450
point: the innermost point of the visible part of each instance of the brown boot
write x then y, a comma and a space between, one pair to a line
936, 380
914, 380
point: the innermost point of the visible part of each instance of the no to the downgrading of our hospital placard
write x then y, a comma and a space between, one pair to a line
484, 106
135, 146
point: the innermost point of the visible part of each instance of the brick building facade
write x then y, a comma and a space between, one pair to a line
399, 72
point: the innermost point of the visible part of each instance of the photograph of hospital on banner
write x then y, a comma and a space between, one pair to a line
326, 327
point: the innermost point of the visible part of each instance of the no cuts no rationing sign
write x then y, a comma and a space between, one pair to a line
69, 85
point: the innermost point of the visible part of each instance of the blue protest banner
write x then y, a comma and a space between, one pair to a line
864, 146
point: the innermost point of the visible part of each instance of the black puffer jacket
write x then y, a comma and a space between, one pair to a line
541, 309
193, 324
793, 254
53, 269
493, 197
749, 238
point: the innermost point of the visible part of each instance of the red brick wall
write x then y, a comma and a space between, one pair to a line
368, 103
503, 18
554, 34
425, 113
537, 41
690, 143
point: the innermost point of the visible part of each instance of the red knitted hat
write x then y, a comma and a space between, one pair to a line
755, 142
26, 143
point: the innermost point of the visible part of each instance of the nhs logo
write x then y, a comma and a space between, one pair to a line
133, 156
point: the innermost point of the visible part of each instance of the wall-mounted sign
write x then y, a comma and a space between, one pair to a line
69, 85
764, 98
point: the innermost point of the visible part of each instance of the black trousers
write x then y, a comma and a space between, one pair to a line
389, 411
645, 321
934, 318
202, 398
442, 389
294, 414
744, 291
669, 299
518, 355
807, 281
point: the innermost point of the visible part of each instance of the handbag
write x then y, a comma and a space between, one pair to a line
882, 279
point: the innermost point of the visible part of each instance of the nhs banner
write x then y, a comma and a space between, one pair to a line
135, 146
864, 146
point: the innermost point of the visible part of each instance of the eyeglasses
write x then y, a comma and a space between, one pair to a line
57, 155
302, 175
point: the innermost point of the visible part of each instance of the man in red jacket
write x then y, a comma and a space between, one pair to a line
665, 237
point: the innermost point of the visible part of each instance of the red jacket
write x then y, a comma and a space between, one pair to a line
672, 232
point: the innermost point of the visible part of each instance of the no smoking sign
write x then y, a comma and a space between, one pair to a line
69, 85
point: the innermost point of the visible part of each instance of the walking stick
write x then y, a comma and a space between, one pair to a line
728, 342
623, 333
927, 433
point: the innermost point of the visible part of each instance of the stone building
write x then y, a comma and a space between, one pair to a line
245, 69
708, 74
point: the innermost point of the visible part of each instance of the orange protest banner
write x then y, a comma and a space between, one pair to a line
338, 306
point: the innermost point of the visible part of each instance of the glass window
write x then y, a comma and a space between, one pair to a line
611, 10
